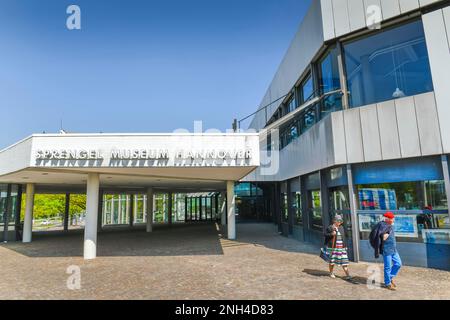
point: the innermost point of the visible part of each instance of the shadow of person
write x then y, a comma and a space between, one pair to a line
316, 273
357, 280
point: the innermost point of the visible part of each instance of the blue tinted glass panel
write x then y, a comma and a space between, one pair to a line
307, 89
291, 105
388, 65
329, 73
308, 118
330, 103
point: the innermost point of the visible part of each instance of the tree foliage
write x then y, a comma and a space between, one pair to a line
53, 205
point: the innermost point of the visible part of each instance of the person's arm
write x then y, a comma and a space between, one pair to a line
385, 236
330, 232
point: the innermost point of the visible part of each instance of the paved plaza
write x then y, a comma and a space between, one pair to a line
193, 262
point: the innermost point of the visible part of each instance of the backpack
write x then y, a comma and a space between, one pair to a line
373, 236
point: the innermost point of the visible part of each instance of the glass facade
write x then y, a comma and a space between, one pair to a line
420, 207
416, 195
387, 65
307, 89
296, 206
315, 209
329, 79
329, 82
10, 203
284, 207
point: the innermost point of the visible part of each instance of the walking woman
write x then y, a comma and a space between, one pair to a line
336, 244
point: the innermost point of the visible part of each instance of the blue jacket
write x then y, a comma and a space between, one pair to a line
380, 230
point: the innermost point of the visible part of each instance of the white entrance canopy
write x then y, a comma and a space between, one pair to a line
178, 162
173, 161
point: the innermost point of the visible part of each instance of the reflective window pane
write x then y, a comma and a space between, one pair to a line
388, 65
329, 72
330, 104
315, 207
307, 89
308, 119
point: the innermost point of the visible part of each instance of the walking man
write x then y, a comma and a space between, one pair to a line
382, 239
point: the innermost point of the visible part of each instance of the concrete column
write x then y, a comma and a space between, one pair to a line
231, 204
100, 211
91, 220
131, 204
223, 209
66, 212
170, 207
28, 220
150, 209
354, 213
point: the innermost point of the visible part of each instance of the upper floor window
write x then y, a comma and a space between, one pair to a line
291, 104
388, 65
306, 89
329, 72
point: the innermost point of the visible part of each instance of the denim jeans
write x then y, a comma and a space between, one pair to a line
392, 265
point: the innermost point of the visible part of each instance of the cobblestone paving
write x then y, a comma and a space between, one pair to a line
193, 262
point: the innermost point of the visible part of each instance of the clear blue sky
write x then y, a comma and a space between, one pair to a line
138, 65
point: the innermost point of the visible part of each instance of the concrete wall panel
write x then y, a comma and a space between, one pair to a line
370, 133
341, 17
428, 124
339, 144
353, 136
408, 5
368, 3
357, 14
424, 3
446, 12
387, 117
390, 8
439, 55
407, 127
328, 19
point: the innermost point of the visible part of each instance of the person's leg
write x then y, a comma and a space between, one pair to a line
347, 273
331, 267
387, 259
397, 264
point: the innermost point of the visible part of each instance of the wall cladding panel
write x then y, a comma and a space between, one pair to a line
357, 14
408, 5
338, 137
446, 12
341, 17
387, 117
428, 124
439, 55
328, 19
407, 127
353, 135
368, 3
370, 133
424, 3
391, 8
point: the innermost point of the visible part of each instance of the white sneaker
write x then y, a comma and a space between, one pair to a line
332, 275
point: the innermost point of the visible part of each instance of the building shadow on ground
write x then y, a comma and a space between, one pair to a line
266, 235
175, 240
189, 239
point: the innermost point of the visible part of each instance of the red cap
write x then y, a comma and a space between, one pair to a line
389, 215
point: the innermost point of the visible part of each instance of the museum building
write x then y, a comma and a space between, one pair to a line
355, 122
358, 114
